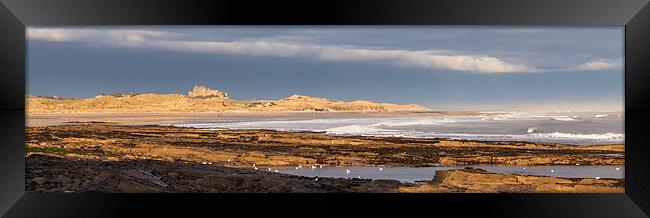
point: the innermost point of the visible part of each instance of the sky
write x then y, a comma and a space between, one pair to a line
440, 67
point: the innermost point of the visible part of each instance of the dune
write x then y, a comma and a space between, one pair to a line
170, 103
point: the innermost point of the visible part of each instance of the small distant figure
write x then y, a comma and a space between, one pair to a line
253, 165
552, 171
255, 168
204, 163
577, 164
381, 169
313, 167
316, 179
297, 168
269, 169
597, 177
617, 169
276, 171
228, 160
347, 171
320, 166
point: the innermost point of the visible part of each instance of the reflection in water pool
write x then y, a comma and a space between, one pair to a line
413, 174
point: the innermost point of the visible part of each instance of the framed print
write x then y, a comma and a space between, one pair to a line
514, 108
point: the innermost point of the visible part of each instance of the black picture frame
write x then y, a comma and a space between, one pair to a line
15, 15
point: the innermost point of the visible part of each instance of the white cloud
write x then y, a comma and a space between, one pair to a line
601, 64
427, 59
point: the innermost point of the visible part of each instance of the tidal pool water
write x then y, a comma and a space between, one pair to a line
414, 174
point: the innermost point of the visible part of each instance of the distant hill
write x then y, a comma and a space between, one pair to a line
169, 103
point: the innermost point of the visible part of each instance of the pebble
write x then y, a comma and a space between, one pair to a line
39, 180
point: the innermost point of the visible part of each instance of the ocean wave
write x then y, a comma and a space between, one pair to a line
604, 136
363, 130
518, 127
531, 130
416, 122
564, 118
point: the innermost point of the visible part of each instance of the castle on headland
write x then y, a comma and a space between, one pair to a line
200, 91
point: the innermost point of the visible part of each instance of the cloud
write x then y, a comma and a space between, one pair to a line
601, 64
88, 35
169, 41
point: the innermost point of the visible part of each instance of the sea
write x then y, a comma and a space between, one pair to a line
566, 127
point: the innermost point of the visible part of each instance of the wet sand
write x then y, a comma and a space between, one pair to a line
40, 120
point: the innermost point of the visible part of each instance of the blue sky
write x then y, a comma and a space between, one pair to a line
441, 67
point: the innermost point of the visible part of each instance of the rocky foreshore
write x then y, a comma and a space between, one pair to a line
274, 148
114, 158
52, 173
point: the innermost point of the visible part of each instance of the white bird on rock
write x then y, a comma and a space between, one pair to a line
347, 171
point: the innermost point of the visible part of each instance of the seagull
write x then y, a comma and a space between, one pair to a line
255, 168
316, 179
524, 168
228, 160
617, 169
299, 166
204, 163
358, 177
598, 177
381, 169
269, 169
276, 171
253, 165
296, 168
210, 163
552, 170
320, 166
313, 167
577, 164
347, 171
